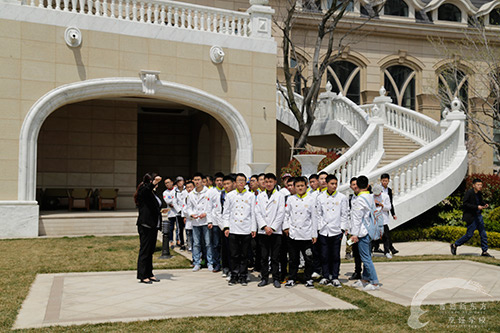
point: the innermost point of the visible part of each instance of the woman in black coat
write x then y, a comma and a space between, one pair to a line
148, 223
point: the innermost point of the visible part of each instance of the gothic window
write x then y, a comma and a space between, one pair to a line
396, 8
449, 12
453, 83
399, 81
495, 16
344, 77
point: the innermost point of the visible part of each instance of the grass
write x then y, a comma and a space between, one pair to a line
21, 260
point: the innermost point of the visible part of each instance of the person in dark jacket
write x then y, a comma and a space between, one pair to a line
148, 223
473, 206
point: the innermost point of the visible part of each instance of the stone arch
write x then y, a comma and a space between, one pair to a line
232, 121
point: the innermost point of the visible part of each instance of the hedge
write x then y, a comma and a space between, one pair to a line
445, 234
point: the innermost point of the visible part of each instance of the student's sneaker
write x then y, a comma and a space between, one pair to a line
394, 251
228, 277
378, 250
243, 281
348, 256
263, 283
276, 284
232, 282
371, 287
486, 254
290, 284
183, 248
358, 284
309, 284
196, 268
336, 283
224, 275
210, 268
324, 282
315, 275
453, 249
388, 255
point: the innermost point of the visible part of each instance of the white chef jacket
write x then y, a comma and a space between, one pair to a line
386, 201
215, 194
169, 198
332, 213
359, 211
285, 191
198, 203
179, 200
300, 217
238, 213
270, 211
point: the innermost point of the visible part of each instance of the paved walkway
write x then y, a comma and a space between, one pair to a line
86, 298
81, 298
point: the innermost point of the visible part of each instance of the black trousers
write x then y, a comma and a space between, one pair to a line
317, 261
284, 257
270, 247
147, 238
357, 258
330, 255
238, 247
386, 239
180, 229
296, 247
225, 255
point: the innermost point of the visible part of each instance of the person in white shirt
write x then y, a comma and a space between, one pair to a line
188, 220
240, 227
333, 219
180, 195
254, 252
361, 212
290, 190
383, 204
215, 230
322, 180
169, 198
302, 229
199, 208
314, 190
354, 247
229, 186
269, 214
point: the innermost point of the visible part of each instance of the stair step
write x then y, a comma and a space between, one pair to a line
396, 146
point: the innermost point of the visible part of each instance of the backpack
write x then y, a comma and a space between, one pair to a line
375, 223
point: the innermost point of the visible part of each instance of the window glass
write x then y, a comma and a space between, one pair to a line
396, 8
495, 16
399, 81
344, 77
449, 12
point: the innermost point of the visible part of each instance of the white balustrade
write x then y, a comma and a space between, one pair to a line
166, 12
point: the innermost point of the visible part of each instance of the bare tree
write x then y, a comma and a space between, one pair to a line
326, 50
479, 50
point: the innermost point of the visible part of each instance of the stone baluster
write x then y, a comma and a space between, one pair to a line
66, 5
221, 24
90, 5
214, 22
169, 15
134, 10
196, 20
127, 10
149, 13
414, 177
156, 13
189, 19
58, 6
40, 4
233, 26
239, 28
403, 183
81, 4
183, 18
105, 8
74, 3
97, 6
162, 15
202, 21
419, 174
176, 17
396, 185
141, 12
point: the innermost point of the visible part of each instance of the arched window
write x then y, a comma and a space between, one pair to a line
344, 77
399, 81
449, 12
495, 16
453, 83
396, 8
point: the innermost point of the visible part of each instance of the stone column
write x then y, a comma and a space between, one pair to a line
260, 18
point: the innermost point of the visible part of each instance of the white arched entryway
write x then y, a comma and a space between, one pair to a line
232, 121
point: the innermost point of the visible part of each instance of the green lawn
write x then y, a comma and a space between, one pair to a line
21, 260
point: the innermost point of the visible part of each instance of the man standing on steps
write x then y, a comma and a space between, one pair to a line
473, 207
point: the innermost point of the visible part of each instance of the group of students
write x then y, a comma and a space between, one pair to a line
305, 220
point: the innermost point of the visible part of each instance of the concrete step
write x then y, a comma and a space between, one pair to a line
396, 146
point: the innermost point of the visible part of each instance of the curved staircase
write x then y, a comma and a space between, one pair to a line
426, 159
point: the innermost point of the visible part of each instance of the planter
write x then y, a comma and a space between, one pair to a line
309, 163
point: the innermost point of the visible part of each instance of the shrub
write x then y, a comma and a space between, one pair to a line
445, 234
293, 167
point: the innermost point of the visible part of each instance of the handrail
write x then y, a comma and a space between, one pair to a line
421, 128
160, 12
367, 151
421, 166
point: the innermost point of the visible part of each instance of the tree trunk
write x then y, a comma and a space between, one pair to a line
302, 141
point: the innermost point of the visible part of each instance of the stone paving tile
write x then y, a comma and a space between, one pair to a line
78, 298
412, 276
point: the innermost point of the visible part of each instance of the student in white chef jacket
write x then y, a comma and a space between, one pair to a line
333, 219
239, 225
269, 214
216, 229
169, 198
180, 195
199, 208
188, 220
301, 227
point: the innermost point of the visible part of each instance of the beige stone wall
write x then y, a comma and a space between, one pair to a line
35, 59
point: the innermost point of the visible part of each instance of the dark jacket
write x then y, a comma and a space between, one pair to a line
470, 205
389, 191
149, 209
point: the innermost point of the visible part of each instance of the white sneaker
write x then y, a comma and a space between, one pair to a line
315, 275
358, 284
224, 275
336, 283
196, 268
323, 282
388, 255
210, 268
370, 287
